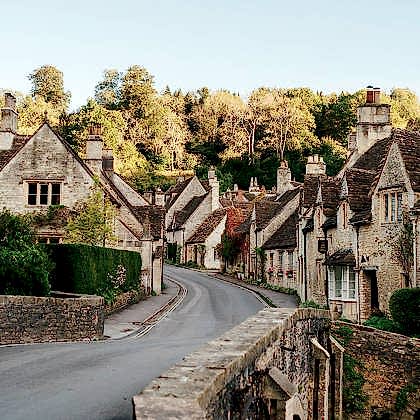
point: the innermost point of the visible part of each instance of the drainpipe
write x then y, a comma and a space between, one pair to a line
414, 219
327, 292
305, 269
357, 274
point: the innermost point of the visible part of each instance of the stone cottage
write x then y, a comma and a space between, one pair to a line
351, 225
41, 170
188, 203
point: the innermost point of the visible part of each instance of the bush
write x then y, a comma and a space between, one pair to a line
312, 304
94, 270
24, 265
383, 323
404, 306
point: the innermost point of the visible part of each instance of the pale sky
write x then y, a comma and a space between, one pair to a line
327, 45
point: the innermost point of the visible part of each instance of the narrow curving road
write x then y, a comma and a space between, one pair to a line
97, 380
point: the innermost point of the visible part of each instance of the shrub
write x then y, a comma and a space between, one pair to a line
312, 304
94, 270
404, 306
24, 265
383, 323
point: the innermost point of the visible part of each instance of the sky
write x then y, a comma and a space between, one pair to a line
239, 45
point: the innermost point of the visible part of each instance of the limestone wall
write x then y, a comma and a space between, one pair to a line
30, 319
263, 367
389, 362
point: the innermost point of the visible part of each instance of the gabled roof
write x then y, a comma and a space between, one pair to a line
181, 216
179, 186
359, 184
152, 215
409, 145
7, 155
287, 196
310, 189
264, 212
285, 236
207, 227
330, 195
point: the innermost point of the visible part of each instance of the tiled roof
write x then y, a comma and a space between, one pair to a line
206, 185
181, 216
287, 196
330, 195
285, 235
207, 227
409, 145
310, 189
359, 183
264, 212
155, 215
7, 155
374, 158
361, 218
173, 192
341, 257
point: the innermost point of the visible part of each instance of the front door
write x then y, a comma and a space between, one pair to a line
374, 295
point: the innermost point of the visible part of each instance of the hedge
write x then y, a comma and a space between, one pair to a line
91, 269
404, 306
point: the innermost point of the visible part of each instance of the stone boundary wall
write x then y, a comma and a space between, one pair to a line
225, 378
390, 362
123, 300
31, 319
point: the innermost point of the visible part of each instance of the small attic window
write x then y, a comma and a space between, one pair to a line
43, 193
392, 207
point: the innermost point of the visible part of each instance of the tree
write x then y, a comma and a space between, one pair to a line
289, 123
24, 265
107, 92
405, 108
47, 83
93, 222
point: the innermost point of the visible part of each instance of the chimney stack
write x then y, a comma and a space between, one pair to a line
159, 197
8, 122
373, 121
284, 177
315, 165
214, 184
94, 146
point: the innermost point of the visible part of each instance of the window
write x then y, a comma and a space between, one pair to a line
44, 193
271, 259
341, 282
49, 240
290, 260
392, 205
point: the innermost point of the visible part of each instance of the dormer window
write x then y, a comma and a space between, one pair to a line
392, 207
43, 193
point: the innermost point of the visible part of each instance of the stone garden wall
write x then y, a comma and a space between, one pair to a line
263, 368
390, 365
30, 319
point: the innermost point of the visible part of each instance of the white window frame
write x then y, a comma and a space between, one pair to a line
347, 289
392, 206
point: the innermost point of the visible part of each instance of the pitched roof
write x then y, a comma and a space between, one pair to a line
287, 196
264, 212
285, 236
7, 155
181, 216
207, 227
330, 195
359, 183
154, 215
409, 145
310, 189
174, 191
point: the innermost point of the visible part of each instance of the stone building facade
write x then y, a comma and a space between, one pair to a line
41, 170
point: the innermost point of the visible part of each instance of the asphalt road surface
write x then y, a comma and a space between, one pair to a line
97, 380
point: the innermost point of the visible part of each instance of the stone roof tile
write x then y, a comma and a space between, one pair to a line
207, 227
285, 236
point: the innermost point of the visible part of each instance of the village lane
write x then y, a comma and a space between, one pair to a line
97, 380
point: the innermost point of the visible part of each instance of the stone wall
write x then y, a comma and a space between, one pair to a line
270, 366
30, 319
389, 362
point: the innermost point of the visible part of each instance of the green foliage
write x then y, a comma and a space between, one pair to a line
47, 83
344, 334
94, 270
404, 306
24, 265
354, 398
383, 323
93, 222
312, 304
401, 401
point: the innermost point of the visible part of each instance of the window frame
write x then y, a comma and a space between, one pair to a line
348, 278
392, 206
43, 198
